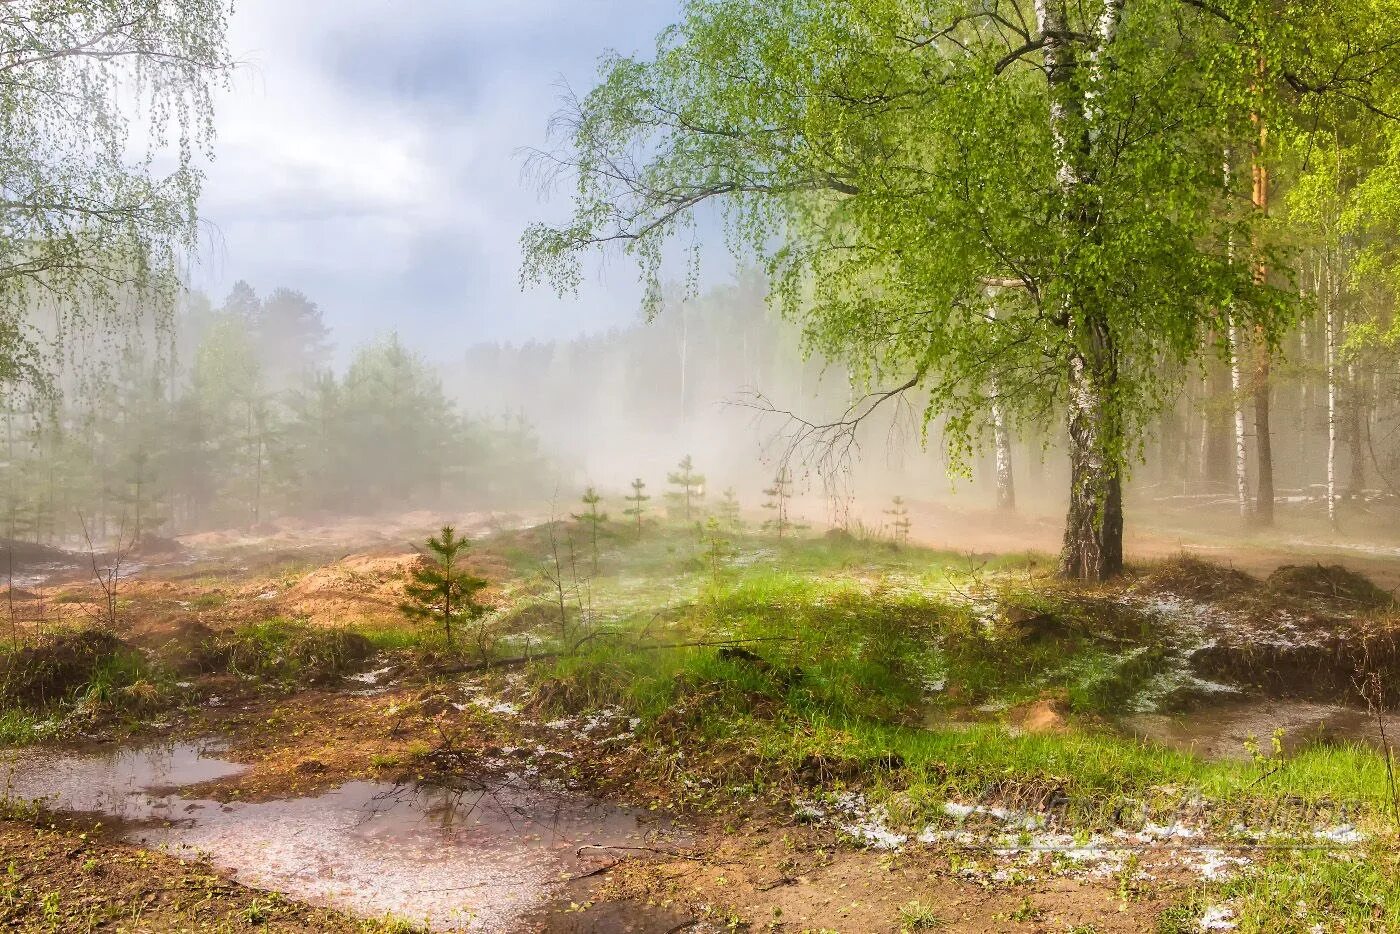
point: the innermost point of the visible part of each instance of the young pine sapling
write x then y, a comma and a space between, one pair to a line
638, 499
778, 495
441, 590
592, 519
690, 488
719, 550
728, 511
899, 521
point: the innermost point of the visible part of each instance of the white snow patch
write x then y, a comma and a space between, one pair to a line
1218, 918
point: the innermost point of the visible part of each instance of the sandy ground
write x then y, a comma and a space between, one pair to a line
758, 870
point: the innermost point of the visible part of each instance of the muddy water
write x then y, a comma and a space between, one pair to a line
479, 859
1223, 731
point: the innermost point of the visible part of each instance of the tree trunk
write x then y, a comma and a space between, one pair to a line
1001, 442
1006, 490
1263, 441
1237, 406
1093, 547
1356, 483
1331, 362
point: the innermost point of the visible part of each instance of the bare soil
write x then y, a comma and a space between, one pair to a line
746, 866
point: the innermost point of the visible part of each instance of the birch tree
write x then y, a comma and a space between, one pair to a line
105, 109
890, 161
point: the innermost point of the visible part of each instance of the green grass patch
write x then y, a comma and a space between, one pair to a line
853, 653
287, 651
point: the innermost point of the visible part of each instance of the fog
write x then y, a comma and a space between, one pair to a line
230, 413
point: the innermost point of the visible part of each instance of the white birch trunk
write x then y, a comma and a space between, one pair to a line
1237, 387
1241, 428
1331, 363
1001, 440
1093, 547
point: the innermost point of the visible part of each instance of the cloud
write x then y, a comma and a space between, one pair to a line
368, 154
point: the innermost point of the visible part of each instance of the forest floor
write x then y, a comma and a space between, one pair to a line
717, 731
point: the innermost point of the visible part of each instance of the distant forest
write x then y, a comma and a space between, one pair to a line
231, 416
632, 401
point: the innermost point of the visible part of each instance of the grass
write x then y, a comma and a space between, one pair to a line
847, 641
873, 662
288, 651
916, 916
888, 668
1305, 890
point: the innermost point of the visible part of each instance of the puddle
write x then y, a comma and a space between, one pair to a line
456, 860
1221, 731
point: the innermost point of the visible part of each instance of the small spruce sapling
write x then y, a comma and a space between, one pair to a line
899, 521
690, 488
728, 510
778, 495
593, 519
440, 590
638, 499
719, 551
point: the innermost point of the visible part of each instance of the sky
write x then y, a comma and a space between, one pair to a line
369, 154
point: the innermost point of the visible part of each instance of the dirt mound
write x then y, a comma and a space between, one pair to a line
157, 545
1328, 582
1328, 666
56, 666
357, 585
1190, 577
29, 553
314, 656
1045, 715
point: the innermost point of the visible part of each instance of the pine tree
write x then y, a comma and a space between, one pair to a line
593, 519
638, 500
719, 551
778, 495
899, 521
691, 487
729, 514
440, 590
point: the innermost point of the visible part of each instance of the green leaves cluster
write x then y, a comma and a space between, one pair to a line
105, 109
901, 170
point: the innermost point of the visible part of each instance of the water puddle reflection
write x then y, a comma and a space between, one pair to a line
476, 859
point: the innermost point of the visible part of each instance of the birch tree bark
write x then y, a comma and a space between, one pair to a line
1263, 440
1241, 441
1093, 543
1001, 444
1330, 357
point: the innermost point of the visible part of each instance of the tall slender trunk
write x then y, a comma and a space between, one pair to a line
1203, 444
1234, 349
1356, 439
1006, 489
1331, 363
1304, 421
1241, 442
1093, 544
1263, 441
1001, 442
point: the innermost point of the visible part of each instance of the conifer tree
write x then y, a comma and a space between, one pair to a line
441, 590
690, 487
719, 550
729, 514
593, 519
899, 521
778, 495
638, 500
